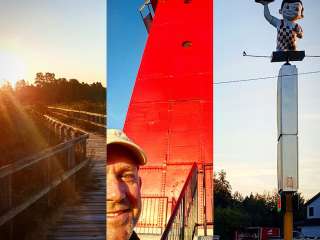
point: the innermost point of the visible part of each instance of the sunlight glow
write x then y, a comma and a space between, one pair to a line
12, 68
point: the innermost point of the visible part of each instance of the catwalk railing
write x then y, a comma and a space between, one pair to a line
183, 221
24, 182
153, 215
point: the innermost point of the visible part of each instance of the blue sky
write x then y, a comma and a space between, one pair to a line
126, 38
245, 113
64, 37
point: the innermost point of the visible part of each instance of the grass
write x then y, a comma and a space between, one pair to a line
21, 134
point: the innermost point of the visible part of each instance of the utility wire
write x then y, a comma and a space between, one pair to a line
263, 78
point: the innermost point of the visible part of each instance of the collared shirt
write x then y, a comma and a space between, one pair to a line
288, 31
287, 35
134, 236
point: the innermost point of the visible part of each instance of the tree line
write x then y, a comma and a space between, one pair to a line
47, 89
235, 212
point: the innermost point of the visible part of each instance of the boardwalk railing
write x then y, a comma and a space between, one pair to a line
183, 221
24, 182
96, 119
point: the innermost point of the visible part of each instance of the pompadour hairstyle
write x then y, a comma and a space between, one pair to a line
292, 1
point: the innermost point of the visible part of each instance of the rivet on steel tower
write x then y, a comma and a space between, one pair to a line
171, 112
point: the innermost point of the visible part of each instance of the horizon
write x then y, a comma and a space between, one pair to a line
57, 37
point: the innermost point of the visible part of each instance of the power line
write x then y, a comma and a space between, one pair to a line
263, 78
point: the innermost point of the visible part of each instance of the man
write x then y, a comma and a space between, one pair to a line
123, 185
287, 28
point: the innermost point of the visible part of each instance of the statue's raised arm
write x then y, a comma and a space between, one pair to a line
271, 19
287, 28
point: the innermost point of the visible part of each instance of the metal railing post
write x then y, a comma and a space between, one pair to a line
182, 228
204, 200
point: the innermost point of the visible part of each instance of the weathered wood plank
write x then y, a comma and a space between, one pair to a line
26, 162
76, 111
87, 220
27, 203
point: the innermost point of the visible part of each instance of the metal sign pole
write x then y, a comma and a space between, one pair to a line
288, 31
287, 109
288, 218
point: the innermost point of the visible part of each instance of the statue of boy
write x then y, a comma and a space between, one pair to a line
288, 29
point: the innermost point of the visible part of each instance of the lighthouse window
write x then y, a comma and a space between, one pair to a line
187, 44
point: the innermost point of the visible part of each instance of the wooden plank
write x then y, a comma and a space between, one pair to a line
18, 209
64, 124
21, 164
76, 111
87, 220
83, 120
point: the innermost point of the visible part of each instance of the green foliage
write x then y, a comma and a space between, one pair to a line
235, 212
51, 90
229, 219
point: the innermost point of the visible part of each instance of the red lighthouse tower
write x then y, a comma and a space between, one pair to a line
171, 109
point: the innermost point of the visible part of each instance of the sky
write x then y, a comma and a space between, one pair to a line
245, 133
67, 38
245, 130
126, 38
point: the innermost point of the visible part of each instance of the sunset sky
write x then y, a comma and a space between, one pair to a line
67, 38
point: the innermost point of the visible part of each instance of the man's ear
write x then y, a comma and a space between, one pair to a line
280, 11
302, 16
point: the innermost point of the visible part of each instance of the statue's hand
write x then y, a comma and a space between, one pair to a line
299, 31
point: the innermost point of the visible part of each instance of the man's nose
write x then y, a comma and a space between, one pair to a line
116, 191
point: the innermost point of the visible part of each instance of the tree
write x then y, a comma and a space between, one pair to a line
40, 79
20, 85
228, 220
222, 190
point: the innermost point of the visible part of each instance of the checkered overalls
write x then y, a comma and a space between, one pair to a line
287, 36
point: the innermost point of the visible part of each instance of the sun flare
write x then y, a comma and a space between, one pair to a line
12, 68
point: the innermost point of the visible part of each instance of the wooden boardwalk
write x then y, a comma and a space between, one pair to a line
86, 219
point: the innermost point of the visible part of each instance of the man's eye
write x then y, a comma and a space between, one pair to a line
128, 177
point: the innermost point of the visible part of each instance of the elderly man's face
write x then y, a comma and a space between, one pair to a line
123, 194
